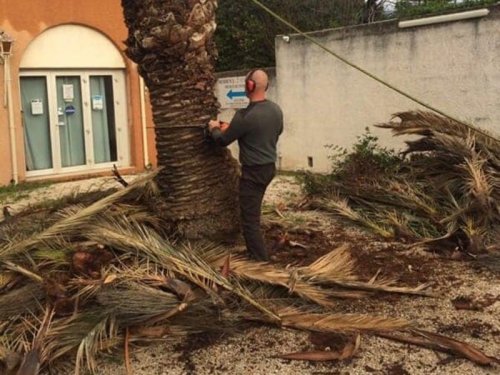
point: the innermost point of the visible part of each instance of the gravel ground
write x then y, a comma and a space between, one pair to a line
253, 351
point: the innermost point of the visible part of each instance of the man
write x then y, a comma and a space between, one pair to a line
257, 129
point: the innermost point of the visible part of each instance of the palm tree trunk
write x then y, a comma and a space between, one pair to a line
172, 43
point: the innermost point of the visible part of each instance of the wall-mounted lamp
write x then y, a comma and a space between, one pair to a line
5, 46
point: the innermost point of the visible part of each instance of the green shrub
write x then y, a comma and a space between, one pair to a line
366, 160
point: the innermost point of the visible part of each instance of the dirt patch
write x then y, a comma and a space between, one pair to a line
396, 369
297, 247
329, 341
474, 328
391, 262
191, 344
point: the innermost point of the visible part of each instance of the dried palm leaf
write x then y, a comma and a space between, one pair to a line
129, 236
451, 179
87, 333
320, 322
134, 303
21, 300
428, 123
340, 207
336, 265
73, 221
289, 279
442, 343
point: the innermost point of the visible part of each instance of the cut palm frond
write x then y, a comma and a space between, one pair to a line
87, 333
341, 208
336, 265
106, 271
73, 221
269, 274
320, 322
129, 236
337, 269
24, 299
135, 303
449, 178
441, 343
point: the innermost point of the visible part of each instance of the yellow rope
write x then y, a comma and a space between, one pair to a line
344, 60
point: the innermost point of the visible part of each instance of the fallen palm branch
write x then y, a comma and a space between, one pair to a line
444, 192
335, 269
441, 343
73, 221
327, 322
103, 277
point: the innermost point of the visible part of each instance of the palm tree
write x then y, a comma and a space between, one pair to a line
172, 43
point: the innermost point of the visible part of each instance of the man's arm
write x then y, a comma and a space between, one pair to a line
235, 130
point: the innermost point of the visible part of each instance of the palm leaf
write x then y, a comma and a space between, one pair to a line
320, 322
73, 221
129, 236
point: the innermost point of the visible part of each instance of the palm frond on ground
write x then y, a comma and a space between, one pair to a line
101, 276
445, 191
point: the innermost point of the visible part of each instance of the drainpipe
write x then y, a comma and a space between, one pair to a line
10, 111
144, 122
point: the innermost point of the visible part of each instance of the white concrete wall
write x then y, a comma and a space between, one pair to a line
454, 66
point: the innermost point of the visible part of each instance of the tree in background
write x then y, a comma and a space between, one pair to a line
245, 34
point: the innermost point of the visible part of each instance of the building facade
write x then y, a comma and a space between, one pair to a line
73, 104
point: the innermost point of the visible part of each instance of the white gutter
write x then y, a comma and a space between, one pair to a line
142, 91
10, 110
445, 18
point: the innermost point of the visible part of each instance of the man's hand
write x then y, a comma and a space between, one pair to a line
213, 124
222, 126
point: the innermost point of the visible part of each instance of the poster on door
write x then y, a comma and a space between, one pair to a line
68, 93
97, 103
36, 107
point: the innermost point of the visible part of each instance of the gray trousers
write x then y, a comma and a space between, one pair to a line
253, 183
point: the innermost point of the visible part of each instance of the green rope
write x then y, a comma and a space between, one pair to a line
412, 98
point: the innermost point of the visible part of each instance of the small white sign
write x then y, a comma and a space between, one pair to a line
68, 93
97, 103
231, 92
37, 107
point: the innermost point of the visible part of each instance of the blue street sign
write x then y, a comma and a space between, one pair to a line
235, 94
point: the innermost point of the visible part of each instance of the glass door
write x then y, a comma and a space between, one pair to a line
70, 121
36, 122
74, 121
103, 119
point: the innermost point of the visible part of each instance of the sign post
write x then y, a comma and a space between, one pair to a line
231, 92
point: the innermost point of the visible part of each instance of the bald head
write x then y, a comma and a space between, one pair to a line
261, 82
